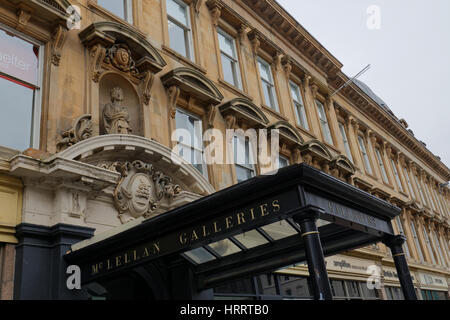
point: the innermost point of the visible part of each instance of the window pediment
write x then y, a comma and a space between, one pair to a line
108, 33
288, 133
343, 163
241, 109
193, 83
317, 149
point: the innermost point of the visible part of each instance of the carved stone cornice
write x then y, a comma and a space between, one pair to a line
215, 8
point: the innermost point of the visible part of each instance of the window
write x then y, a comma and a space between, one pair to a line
416, 240
397, 178
345, 140
299, 106
409, 183
324, 122
430, 249
381, 164
230, 63
191, 151
427, 190
337, 288
438, 245
267, 84
362, 148
283, 162
400, 229
121, 8
419, 186
394, 293
180, 37
243, 158
20, 79
434, 295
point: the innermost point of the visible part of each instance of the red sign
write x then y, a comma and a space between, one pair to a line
18, 58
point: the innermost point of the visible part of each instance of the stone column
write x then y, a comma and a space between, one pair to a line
395, 243
318, 275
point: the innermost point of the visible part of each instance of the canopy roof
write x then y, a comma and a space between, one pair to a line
242, 230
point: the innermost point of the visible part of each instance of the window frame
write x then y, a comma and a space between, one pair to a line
252, 167
397, 178
128, 11
236, 71
348, 150
204, 165
365, 156
189, 42
299, 105
273, 92
417, 241
36, 113
401, 230
384, 174
320, 106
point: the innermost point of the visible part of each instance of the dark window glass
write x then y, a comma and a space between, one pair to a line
368, 293
337, 288
244, 286
266, 285
295, 287
353, 289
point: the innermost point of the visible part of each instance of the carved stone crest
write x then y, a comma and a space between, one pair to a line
81, 130
140, 189
119, 55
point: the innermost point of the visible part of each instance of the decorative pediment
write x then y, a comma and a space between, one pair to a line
316, 149
342, 163
109, 34
288, 133
414, 206
362, 184
193, 83
380, 193
241, 109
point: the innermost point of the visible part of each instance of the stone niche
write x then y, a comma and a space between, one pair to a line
129, 109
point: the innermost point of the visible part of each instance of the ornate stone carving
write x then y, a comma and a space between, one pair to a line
173, 92
115, 116
58, 40
81, 130
140, 189
119, 55
98, 53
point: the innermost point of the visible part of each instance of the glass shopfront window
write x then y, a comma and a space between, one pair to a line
20, 77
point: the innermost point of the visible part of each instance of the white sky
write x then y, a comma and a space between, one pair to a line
409, 54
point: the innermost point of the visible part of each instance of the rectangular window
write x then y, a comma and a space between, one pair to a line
283, 162
180, 36
400, 229
345, 140
191, 151
121, 8
397, 177
228, 55
243, 158
430, 197
362, 148
438, 245
416, 241
20, 79
324, 122
268, 85
299, 106
381, 164
419, 186
430, 249
405, 171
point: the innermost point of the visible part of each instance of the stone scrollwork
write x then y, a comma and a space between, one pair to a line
81, 130
140, 190
119, 55
115, 116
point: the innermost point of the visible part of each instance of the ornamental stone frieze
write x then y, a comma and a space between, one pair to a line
81, 130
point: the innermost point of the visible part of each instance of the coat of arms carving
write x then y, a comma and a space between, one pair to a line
140, 190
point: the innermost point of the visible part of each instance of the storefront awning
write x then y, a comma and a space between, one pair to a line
245, 229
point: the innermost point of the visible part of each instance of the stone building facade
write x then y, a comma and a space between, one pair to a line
102, 89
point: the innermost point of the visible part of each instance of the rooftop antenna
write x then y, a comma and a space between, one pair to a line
352, 79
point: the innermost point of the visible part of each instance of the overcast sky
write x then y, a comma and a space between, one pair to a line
409, 54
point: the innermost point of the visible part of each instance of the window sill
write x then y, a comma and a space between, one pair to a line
234, 89
185, 60
304, 131
274, 112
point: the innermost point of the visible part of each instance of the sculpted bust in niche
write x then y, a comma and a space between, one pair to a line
115, 116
